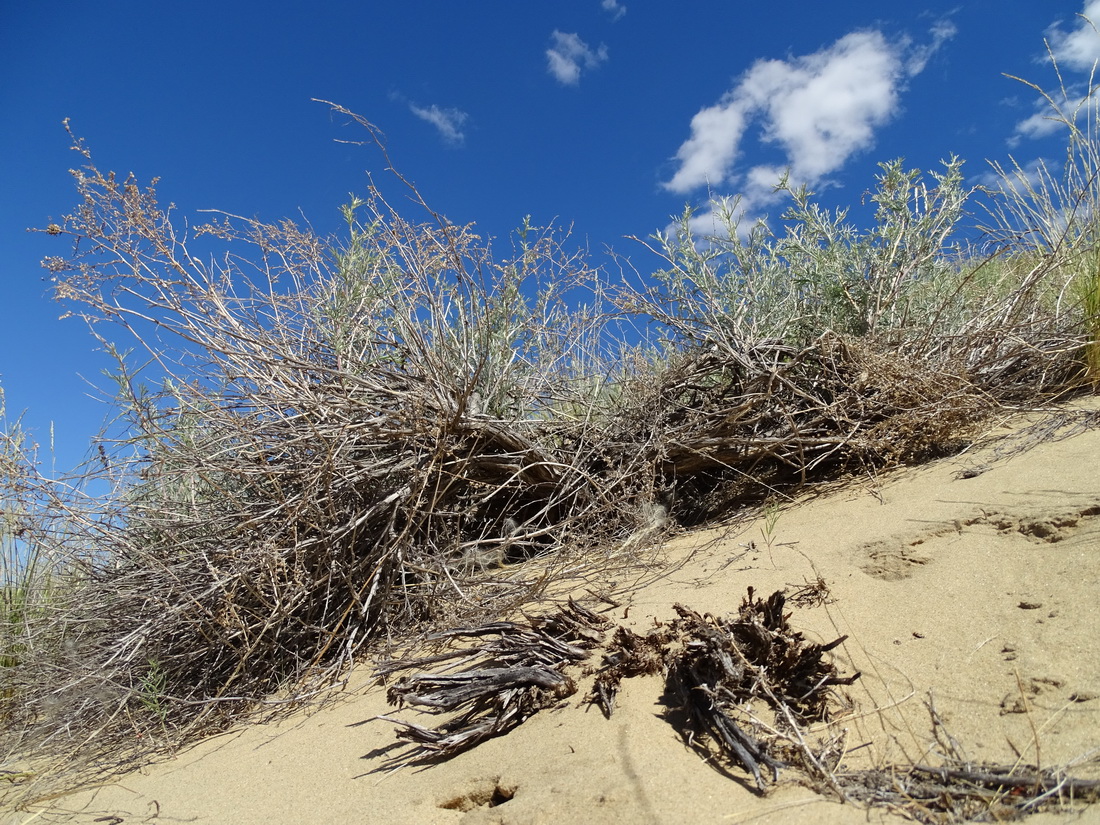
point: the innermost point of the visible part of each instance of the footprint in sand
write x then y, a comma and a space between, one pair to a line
890, 561
479, 793
897, 558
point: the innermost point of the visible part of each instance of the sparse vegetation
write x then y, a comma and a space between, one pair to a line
326, 444
32, 570
1090, 303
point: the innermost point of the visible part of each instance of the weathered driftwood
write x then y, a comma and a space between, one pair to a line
517, 670
715, 668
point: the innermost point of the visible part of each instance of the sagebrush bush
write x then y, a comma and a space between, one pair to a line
820, 274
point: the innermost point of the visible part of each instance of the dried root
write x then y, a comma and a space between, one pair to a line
974, 793
716, 668
507, 679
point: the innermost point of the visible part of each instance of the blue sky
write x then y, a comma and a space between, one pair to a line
605, 115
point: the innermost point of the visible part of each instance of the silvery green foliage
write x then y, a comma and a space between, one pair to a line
821, 272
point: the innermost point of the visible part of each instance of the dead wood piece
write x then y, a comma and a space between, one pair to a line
699, 692
517, 670
465, 731
715, 669
971, 793
726, 664
534, 646
452, 690
574, 631
760, 637
628, 655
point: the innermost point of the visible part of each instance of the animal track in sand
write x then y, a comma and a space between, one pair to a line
891, 561
479, 793
897, 558
1046, 529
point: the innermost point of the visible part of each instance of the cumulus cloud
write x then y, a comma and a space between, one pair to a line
449, 122
616, 9
1078, 48
708, 155
819, 109
569, 55
824, 108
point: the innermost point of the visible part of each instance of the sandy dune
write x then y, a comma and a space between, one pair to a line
973, 581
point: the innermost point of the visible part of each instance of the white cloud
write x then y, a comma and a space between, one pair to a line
708, 155
1078, 48
1038, 125
449, 122
825, 108
819, 109
569, 54
1074, 105
1075, 50
941, 31
616, 9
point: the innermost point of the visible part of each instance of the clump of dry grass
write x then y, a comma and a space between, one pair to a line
732, 427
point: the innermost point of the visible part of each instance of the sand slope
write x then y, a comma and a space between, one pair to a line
972, 590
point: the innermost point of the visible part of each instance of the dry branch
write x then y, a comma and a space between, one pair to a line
970, 793
516, 672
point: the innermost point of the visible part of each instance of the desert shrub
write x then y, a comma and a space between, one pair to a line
791, 354
820, 273
40, 577
908, 284
1089, 289
323, 443
34, 574
25, 575
1050, 214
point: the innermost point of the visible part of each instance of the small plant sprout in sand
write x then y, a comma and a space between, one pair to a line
772, 512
